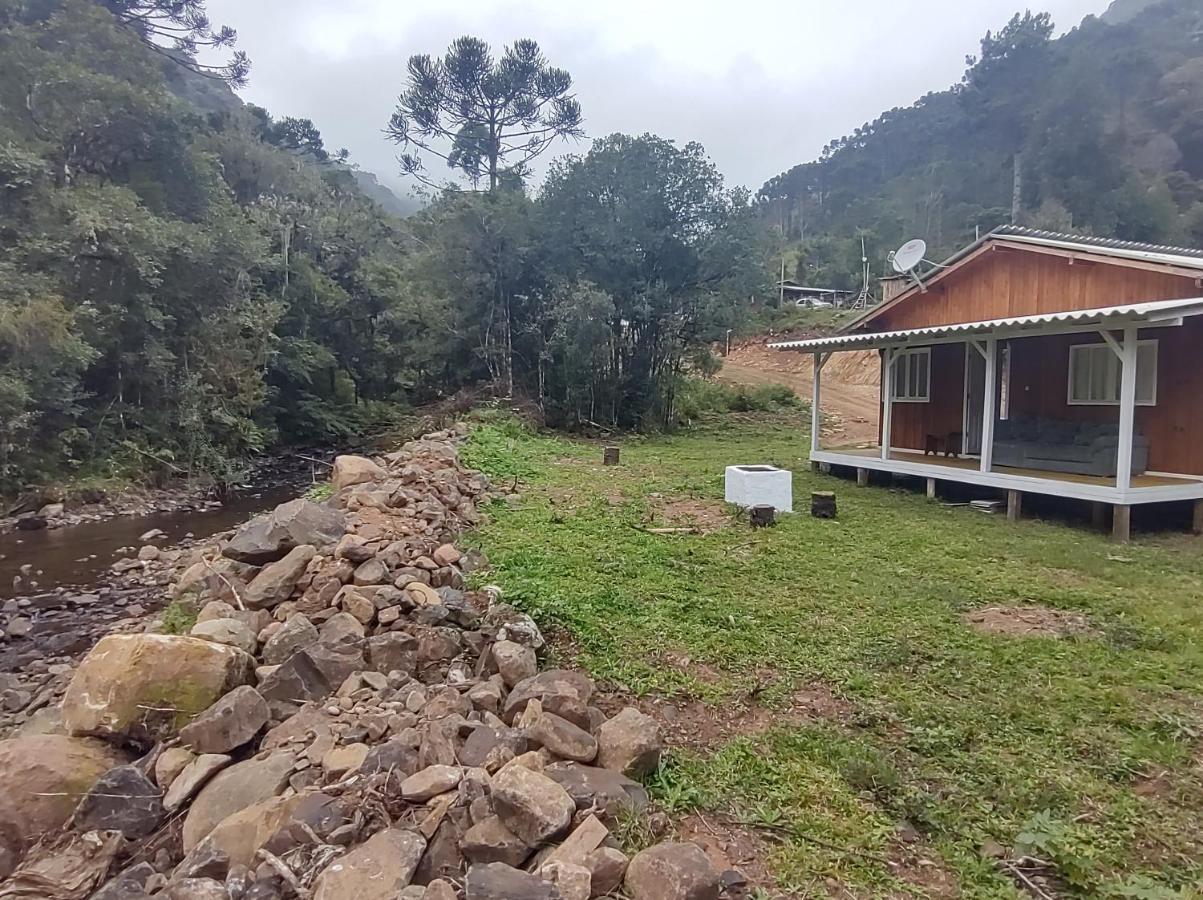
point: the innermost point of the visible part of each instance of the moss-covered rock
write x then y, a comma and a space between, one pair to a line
140, 688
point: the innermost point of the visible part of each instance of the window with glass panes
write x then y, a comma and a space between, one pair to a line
1095, 375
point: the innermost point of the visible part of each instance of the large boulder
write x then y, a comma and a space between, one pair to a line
672, 872
531, 805
607, 866
430, 782
241, 835
211, 580
229, 723
514, 661
296, 634
234, 789
630, 743
378, 869
124, 800
562, 738
275, 583
352, 470
43, 779
552, 683
269, 537
311, 674
497, 881
231, 632
490, 841
393, 651
611, 794
146, 687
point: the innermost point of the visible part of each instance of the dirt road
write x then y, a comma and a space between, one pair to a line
850, 386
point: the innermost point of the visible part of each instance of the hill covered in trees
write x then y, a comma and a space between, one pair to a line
1099, 131
186, 281
179, 285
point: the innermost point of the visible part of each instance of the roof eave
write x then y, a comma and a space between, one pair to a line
1155, 313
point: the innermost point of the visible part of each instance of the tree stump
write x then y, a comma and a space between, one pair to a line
822, 504
610, 456
763, 515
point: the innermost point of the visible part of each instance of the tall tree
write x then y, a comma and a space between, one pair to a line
179, 29
999, 86
644, 230
486, 118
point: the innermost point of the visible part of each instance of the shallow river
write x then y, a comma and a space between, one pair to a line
79, 555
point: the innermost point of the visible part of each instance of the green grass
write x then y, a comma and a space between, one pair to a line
797, 318
1045, 746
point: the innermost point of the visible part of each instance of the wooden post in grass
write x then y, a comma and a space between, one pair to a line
610, 456
822, 504
862, 477
762, 515
931, 489
1197, 519
1121, 523
1014, 505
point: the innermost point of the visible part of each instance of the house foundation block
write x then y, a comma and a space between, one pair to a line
1014, 505
1121, 523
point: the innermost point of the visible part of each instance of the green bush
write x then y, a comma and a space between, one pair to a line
697, 398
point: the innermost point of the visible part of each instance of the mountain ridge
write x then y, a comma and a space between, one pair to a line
1099, 131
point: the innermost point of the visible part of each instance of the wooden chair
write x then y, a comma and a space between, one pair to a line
953, 446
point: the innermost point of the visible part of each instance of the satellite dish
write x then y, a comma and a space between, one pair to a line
909, 255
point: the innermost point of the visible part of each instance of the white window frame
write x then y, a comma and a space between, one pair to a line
902, 357
1074, 349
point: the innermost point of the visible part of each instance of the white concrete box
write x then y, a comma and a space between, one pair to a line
760, 485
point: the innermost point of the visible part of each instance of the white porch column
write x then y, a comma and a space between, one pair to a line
820, 360
987, 456
1127, 409
887, 405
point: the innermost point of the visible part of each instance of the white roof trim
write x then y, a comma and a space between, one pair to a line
1169, 259
1157, 311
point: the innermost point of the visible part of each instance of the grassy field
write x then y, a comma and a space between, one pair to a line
839, 713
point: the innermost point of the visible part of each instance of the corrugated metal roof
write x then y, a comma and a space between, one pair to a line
1151, 313
1178, 256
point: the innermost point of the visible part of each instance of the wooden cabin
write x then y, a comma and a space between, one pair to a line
1034, 362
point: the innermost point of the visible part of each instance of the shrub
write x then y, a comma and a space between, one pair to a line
697, 398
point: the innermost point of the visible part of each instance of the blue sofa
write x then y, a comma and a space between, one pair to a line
1054, 445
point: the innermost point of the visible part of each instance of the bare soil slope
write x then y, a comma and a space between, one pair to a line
851, 388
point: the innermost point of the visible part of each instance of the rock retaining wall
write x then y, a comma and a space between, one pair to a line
345, 720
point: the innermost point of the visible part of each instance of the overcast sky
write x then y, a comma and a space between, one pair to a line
762, 84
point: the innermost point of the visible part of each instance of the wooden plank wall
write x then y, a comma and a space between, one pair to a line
1006, 282
1174, 427
944, 413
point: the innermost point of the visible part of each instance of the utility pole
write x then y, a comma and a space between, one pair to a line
781, 298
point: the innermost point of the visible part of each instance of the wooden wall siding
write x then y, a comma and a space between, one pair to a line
943, 413
1174, 427
1007, 282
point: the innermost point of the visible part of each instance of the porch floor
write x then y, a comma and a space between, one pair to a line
1138, 481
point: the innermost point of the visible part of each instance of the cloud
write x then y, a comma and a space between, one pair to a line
762, 85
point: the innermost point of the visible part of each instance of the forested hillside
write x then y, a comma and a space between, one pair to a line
1099, 131
186, 281
174, 286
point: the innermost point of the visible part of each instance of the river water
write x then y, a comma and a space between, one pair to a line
80, 555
